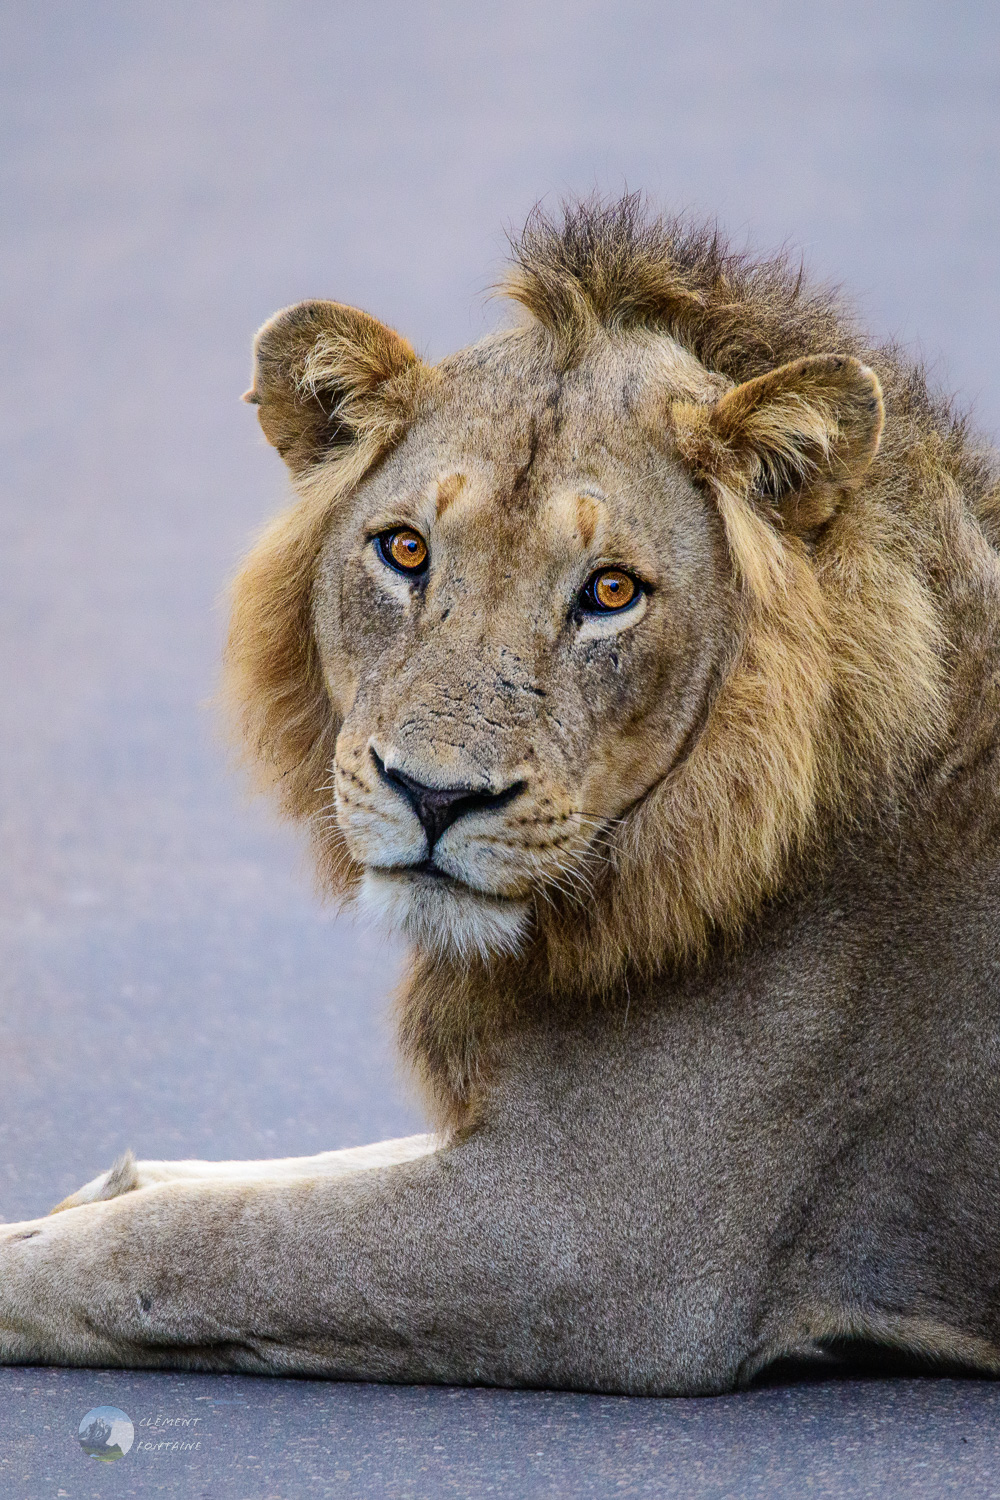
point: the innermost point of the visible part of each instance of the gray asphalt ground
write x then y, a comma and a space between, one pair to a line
171, 175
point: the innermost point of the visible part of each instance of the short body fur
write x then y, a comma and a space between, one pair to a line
706, 965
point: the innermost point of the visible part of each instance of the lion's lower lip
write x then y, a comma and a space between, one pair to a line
430, 870
426, 868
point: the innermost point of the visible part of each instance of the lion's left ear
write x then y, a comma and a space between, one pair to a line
794, 438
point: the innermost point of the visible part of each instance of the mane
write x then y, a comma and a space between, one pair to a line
835, 701
613, 265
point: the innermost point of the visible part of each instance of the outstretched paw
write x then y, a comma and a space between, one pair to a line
123, 1177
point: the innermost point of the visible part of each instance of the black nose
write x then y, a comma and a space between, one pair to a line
438, 807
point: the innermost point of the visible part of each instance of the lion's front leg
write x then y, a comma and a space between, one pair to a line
127, 1174
341, 1276
446, 1268
195, 1275
276, 1277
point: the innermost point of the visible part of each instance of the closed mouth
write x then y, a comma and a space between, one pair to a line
428, 868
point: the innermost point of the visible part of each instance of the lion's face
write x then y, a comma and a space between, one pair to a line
520, 617
569, 636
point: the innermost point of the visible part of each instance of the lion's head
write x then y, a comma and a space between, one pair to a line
521, 614
575, 641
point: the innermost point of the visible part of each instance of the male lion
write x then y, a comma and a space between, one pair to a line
642, 664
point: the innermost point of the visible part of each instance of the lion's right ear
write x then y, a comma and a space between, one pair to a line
324, 376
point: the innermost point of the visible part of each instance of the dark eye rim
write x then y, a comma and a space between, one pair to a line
381, 542
588, 603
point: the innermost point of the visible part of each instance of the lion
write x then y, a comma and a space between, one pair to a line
641, 665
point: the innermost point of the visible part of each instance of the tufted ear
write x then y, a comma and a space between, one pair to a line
325, 375
792, 439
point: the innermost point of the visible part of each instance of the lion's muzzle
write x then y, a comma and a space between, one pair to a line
437, 808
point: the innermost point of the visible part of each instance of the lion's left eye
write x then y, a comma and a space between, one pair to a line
609, 590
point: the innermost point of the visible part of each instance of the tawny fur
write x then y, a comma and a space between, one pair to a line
835, 698
703, 882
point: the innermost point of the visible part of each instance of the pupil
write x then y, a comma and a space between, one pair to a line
407, 547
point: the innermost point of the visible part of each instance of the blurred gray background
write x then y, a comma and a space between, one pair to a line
171, 174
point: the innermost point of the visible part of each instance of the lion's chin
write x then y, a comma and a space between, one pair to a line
443, 916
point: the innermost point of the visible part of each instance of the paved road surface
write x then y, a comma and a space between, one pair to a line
171, 174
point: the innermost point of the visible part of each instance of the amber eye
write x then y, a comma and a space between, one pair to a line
404, 550
609, 590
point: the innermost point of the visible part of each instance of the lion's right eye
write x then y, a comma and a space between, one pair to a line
403, 550
608, 591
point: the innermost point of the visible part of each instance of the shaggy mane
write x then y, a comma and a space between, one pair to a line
838, 694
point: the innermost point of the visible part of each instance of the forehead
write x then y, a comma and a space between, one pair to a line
507, 430
514, 399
